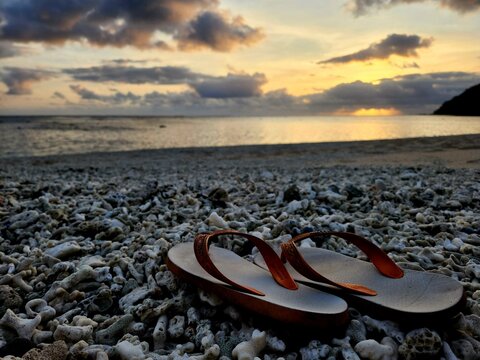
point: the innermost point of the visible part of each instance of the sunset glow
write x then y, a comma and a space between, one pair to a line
376, 112
235, 58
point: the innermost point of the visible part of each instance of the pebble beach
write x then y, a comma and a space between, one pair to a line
83, 240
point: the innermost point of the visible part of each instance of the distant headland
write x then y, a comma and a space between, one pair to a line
465, 104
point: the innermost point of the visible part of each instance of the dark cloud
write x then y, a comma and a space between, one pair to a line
87, 94
126, 61
416, 93
410, 94
407, 65
231, 86
168, 101
215, 31
119, 23
173, 101
393, 44
136, 75
206, 86
116, 98
360, 7
7, 49
58, 95
19, 81
277, 102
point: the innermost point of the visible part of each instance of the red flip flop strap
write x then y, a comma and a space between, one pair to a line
295, 258
274, 264
377, 256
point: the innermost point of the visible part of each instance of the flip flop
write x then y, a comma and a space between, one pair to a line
379, 286
271, 293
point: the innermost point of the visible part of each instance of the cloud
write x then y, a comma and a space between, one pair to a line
231, 86
192, 23
7, 49
360, 7
19, 81
117, 98
394, 44
206, 86
58, 95
87, 94
135, 75
411, 94
128, 61
277, 102
215, 31
407, 65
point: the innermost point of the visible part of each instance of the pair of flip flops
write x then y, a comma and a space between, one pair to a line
303, 285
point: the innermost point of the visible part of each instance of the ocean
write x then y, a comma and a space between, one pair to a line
52, 135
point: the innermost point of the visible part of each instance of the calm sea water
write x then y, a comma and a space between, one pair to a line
36, 136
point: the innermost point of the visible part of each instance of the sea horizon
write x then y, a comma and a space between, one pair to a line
80, 134
219, 116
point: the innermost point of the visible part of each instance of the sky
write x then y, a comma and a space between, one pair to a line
232, 58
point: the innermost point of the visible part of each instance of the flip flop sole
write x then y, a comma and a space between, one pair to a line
416, 295
304, 306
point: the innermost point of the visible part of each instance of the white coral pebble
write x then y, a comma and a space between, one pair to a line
128, 351
40, 307
372, 350
160, 332
73, 334
216, 220
248, 350
23, 327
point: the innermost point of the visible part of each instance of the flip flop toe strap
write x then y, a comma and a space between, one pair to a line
379, 259
274, 264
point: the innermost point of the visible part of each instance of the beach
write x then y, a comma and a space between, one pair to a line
84, 238
459, 151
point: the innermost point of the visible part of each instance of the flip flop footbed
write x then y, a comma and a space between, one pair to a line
304, 306
417, 292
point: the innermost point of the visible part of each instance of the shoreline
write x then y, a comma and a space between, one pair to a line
455, 151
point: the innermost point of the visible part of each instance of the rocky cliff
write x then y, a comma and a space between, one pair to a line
465, 104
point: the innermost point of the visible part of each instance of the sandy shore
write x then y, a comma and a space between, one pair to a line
461, 151
83, 240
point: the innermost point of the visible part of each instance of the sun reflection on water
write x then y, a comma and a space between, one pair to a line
46, 136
